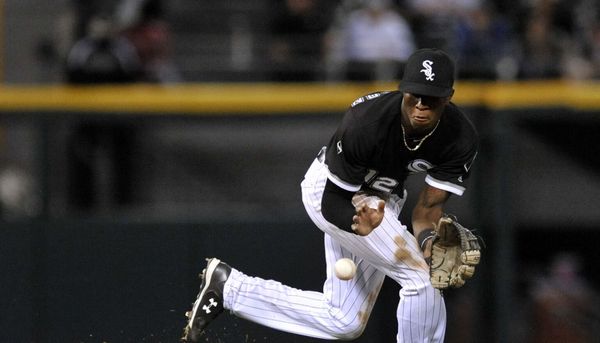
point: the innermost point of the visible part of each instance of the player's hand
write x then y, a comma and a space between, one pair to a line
367, 218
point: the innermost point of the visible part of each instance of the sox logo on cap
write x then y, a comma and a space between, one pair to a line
429, 74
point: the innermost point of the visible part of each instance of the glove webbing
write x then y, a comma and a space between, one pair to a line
468, 241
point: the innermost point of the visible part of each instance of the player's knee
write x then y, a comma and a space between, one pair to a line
349, 335
350, 330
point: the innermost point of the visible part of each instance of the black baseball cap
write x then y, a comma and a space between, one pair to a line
428, 72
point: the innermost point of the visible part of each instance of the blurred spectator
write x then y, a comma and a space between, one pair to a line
435, 21
541, 53
526, 39
555, 38
485, 45
595, 49
583, 54
100, 153
83, 12
297, 28
102, 56
566, 307
128, 42
144, 25
371, 42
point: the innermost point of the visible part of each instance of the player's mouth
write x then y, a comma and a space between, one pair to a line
419, 120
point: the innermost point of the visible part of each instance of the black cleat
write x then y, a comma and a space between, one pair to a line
209, 303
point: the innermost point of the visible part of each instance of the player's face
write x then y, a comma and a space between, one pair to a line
422, 112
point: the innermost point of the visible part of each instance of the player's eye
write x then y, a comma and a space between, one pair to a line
429, 101
414, 98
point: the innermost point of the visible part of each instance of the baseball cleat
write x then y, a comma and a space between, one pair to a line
209, 303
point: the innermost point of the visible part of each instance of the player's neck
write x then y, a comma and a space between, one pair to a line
415, 133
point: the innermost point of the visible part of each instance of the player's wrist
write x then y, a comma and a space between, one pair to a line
424, 238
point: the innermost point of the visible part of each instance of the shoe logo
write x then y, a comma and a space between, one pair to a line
429, 74
339, 147
212, 303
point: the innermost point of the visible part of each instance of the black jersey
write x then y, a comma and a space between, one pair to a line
367, 150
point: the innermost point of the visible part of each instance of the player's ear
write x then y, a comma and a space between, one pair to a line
449, 97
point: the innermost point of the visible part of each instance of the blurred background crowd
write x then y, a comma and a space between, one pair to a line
313, 40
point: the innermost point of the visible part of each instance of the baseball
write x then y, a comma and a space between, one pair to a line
345, 269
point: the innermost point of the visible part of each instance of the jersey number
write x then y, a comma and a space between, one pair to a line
380, 183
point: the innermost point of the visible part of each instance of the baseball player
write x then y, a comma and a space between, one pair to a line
354, 192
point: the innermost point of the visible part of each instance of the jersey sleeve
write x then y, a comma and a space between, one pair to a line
347, 154
451, 175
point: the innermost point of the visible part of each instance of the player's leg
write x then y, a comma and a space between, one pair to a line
421, 315
394, 251
340, 312
275, 305
353, 299
421, 310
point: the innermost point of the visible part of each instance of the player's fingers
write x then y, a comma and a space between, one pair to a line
471, 257
381, 206
466, 272
457, 282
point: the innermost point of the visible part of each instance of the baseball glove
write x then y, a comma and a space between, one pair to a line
455, 253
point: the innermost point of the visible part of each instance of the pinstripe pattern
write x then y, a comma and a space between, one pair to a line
342, 310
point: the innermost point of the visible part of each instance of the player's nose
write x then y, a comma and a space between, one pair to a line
420, 105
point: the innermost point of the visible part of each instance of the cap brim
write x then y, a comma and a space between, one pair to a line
421, 89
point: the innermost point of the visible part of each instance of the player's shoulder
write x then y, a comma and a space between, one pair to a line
372, 110
369, 114
374, 98
458, 118
458, 127
375, 107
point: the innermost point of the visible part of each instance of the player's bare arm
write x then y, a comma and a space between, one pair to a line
428, 211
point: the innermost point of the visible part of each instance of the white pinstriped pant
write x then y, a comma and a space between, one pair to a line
341, 311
